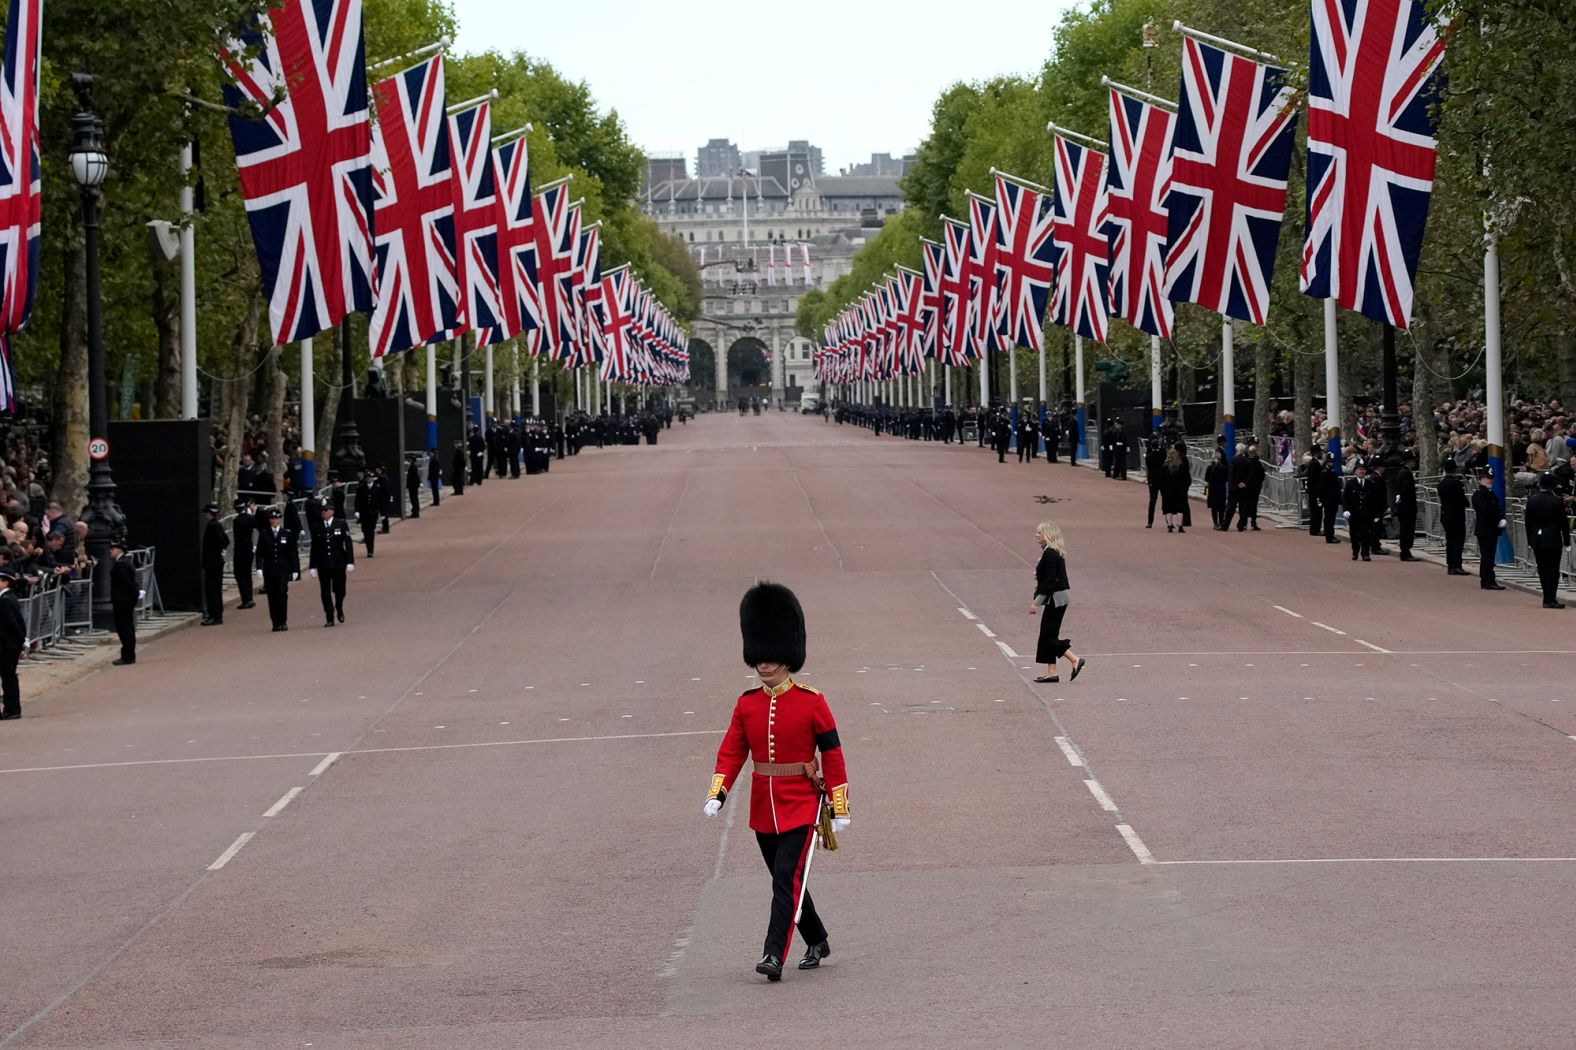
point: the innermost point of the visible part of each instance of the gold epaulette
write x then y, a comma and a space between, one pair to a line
809, 688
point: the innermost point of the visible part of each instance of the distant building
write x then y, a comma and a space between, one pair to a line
883, 164
660, 168
717, 157
813, 152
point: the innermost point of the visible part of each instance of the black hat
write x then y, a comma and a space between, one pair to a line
1548, 482
773, 626
1360, 464
8, 576
325, 504
212, 508
118, 542
241, 502
273, 512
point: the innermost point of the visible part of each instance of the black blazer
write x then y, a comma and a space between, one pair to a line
122, 583
214, 542
1452, 501
243, 527
1050, 575
278, 556
13, 628
332, 548
1485, 505
1548, 527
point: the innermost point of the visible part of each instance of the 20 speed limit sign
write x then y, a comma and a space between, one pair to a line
98, 449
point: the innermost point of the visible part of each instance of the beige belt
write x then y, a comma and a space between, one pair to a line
785, 769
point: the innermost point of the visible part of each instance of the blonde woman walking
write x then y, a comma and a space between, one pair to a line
1051, 594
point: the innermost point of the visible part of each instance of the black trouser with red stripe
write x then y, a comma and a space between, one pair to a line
785, 855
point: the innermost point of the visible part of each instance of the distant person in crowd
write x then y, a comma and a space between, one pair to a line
434, 476
1051, 593
1329, 498
1490, 522
1548, 534
1175, 481
1216, 485
332, 559
13, 642
457, 468
1404, 505
1453, 517
243, 529
1313, 483
215, 541
413, 484
1154, 462
124, 594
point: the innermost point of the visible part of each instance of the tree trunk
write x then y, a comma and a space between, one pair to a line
1565, 361
1424, 392
1303, 371
69, 428
276, 417
165, 306
328, 415
234, 394
1263, 375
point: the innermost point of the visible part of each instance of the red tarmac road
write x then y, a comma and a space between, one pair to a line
1291, 801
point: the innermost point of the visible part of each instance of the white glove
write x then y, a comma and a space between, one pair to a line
141, 595
713, 807
350, 568
295, 576
257, 572
840, 824
1346, 514
1502, 523
312, 573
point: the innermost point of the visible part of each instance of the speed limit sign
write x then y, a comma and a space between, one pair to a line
98, 449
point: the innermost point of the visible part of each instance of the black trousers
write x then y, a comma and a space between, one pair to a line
1362, 531
332, 587
1329, 520
1315, 516
369, 531
415, 502
243, 580
785, 855
278, 600
9, 687
213, 593
1488, 547
126, 630
1455, 545
1548, 559
436, 498
1408, 526
1154, 494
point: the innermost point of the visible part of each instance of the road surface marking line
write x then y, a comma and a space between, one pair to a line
968, 614
1384, 860
229, 854
1073, 757
1372, 646
322, 767
1136, 844
1100, 796
273, 810
1007, 650
1287, 611
988, 632
1327, 627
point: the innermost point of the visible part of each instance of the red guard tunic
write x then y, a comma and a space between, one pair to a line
783, 725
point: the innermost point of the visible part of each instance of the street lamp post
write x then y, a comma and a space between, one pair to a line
348, 457
103, 516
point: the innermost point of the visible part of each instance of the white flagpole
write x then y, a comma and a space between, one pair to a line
189, 292
514, 393
1156, 387
1228, 385
308, 419
432, 397
536, 387
946, 371
1332, 385
491, 408
1080, 442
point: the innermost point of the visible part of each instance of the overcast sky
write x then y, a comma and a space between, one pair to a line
852, 76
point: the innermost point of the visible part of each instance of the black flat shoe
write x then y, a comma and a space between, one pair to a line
1043, 679
771, 966
814, 954
341, 615
1079, 667
7, 718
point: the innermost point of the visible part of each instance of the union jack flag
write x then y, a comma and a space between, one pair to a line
1082, 259
476, 224
418, 290
556, 231
1230, 158
616, 319
935, 256
1023, 241
984, 257
516, 236
957, 294
909, 300
1371, 153
1137, 180
586, 292
21, 201
306, 167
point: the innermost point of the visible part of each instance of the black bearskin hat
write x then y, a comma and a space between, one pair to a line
773, 626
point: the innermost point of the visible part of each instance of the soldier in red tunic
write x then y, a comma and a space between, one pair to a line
783, 724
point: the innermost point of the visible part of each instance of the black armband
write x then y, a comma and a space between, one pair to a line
828, 741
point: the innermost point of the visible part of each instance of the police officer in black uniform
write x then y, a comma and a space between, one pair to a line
333, 557
457, 468
123, 597
13, 640
413, 484
1404, 504
1490, 523
434, 475
1548, 534
1453, 517
278, 563
1357, 503
244, 527
214, 543
368, 507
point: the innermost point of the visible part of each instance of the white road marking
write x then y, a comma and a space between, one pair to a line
229, 854
1007, 649
1372, 646
1136, 844
1327, 627
1287, 611
968, 614
988, 632
1383, 860
1073, 758
1100, 796
273, 810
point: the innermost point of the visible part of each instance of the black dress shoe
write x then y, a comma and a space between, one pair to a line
122, 663
1493, 586
1367, 558
341, 615
1409, 557
814, 954
13, 714
1328, 540
328, 623
1554, 605
1458, 572
209, 623
771, 966
247, 605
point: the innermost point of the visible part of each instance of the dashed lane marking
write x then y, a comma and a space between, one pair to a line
235, 847
968, 614
1372, 646
322, 767
1100, 796
1007, 649
1287, 611
987, 631
1073, 757
1327, 627
275, 809
1136, 844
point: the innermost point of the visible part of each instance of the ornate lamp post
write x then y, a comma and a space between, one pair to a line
348, 457
103, 515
